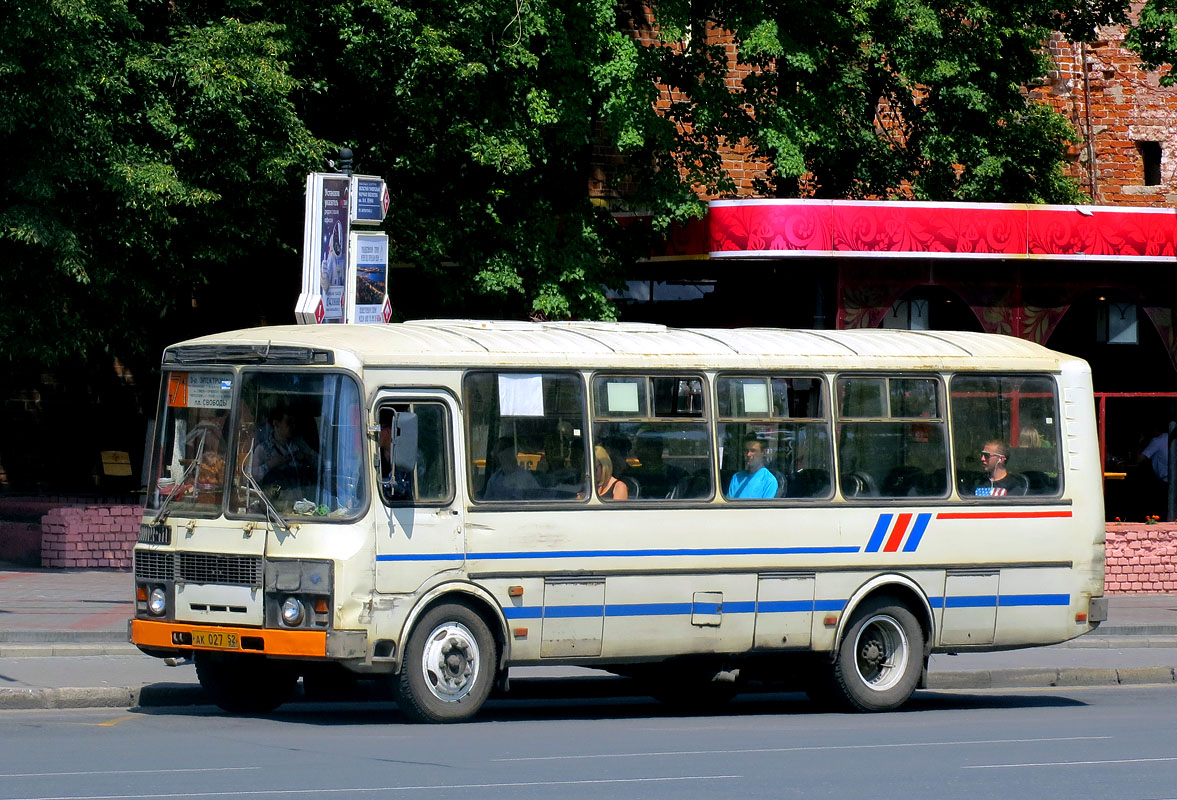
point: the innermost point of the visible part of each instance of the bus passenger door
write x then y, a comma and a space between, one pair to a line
970, 607
784, 611
418, 529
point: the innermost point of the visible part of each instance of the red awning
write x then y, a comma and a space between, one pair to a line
874, 229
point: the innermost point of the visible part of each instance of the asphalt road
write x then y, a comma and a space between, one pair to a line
1041, 744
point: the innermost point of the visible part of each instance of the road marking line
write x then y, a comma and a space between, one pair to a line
336, 790
110, 723
122, 772
808, 748
1071, 763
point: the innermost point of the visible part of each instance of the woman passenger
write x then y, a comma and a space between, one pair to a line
608, 487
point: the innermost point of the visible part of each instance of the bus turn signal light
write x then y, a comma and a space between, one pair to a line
320, 605
514, 591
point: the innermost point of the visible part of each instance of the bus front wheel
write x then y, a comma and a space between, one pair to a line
245, 684
449, 665
880, 657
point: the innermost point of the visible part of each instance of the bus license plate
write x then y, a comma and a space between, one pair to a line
220, 641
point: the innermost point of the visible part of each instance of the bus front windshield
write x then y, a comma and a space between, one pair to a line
294, 437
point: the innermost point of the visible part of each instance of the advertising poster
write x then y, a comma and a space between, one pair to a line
368, 283
324, 257
333, 247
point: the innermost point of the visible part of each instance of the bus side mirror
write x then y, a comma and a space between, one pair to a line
403, 455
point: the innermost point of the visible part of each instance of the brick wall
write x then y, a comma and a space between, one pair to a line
1142, 559
90, 537
1114, 106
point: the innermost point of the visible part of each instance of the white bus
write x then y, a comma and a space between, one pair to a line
434, 502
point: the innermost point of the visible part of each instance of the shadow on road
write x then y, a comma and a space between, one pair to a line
596, 699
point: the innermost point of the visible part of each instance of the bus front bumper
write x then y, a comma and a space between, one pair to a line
163, 638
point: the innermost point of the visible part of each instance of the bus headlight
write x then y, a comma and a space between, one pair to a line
157, 601
292, 612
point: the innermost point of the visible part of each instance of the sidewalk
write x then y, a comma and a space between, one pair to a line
63, 644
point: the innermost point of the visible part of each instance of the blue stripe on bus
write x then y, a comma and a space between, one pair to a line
971, 601
917, 532
876, 538
671, 609
1035, 600
421, 557
528, 554
647, 609
999, 601
568, 612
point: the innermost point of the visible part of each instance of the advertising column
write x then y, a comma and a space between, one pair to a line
325, 245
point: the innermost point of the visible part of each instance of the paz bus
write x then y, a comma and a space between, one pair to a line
424, 503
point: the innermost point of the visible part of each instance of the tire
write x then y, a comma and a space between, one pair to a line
449, 665
880, 658
242, 684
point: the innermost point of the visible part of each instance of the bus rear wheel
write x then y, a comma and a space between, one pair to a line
245, 684
449, 665
880, 658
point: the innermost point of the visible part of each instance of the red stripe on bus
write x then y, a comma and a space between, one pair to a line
897, 534
1001, 514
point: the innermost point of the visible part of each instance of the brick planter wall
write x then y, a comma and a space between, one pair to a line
1142, 559
90, 537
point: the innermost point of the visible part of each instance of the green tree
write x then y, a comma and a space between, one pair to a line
1154, 37
922, 99
147, 153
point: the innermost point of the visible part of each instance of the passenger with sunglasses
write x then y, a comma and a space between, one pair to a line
994, 461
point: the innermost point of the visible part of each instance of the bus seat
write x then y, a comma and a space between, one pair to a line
1022, 487
690, 487
631, 483
902, 481
782, 483
859, 484
934, 483
809, 483
1040, 482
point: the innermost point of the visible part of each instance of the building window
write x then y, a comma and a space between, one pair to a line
1115, 323
1150, 155
909, 315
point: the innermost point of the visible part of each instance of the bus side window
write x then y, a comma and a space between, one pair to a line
785, 424
655, 430
891, 437
1020, 412
427, 480
525, 436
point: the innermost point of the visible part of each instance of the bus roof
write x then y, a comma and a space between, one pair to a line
618, 345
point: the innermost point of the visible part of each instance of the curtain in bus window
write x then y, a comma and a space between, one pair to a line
1014, 415
891, 437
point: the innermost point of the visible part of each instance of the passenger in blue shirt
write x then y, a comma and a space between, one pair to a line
756, 480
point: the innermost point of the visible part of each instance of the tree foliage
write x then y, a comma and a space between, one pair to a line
156, 151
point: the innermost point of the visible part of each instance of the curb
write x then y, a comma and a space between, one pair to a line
1048, 678
165, 695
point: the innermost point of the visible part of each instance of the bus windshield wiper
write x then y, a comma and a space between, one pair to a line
272, 514
188, 470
